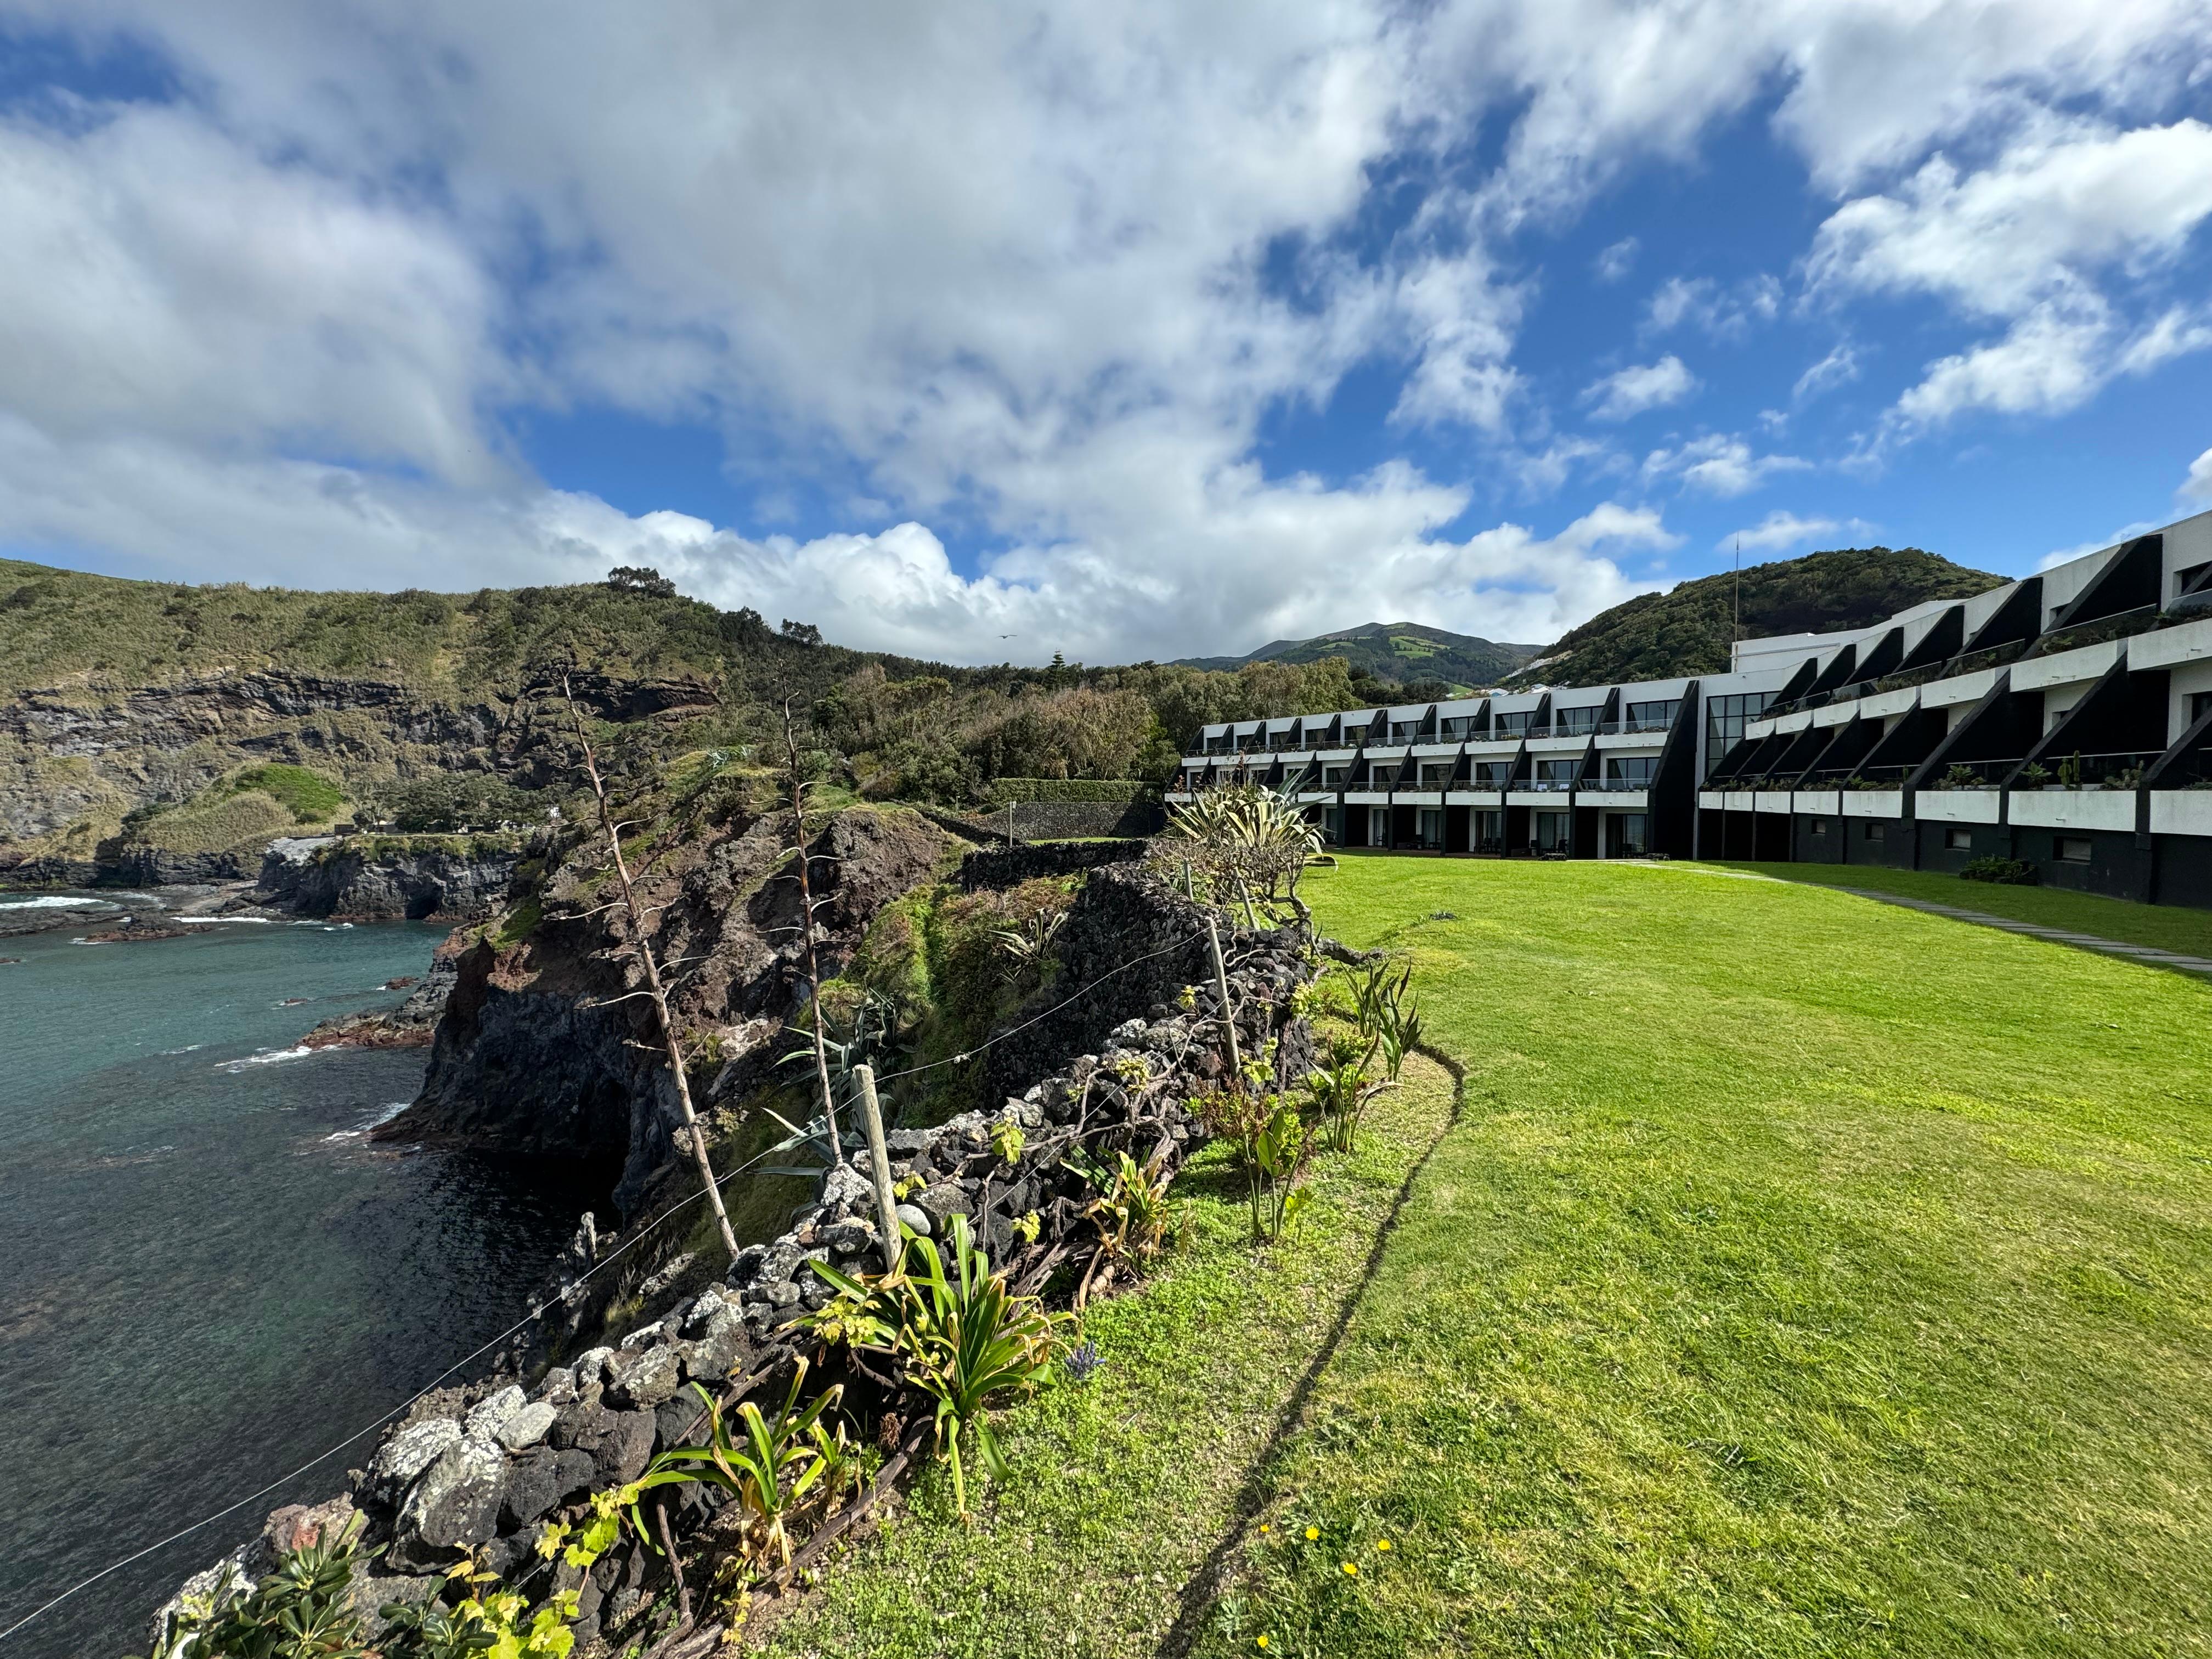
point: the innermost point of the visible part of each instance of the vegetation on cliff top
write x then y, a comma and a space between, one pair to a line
1687, 629
1395, 654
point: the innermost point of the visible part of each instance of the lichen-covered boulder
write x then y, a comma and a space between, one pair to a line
456, 1502
407, 1455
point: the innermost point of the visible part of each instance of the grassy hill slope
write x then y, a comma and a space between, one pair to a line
1397, 651
1687, 629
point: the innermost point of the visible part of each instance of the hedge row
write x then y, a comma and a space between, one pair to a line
1059, 789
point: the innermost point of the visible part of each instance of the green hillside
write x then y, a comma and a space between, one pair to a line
1687, 629
1399, 652
149, 706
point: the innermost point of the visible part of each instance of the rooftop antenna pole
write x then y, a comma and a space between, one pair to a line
1736, 636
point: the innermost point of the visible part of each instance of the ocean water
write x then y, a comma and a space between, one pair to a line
208, 1276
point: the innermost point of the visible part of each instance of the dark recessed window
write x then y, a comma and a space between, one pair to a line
2074, 849
1821, 828
1959, 838
1877, 832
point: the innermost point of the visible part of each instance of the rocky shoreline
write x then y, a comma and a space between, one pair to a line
477, 1468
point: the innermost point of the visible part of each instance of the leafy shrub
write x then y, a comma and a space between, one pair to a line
451, 801
309, 796
2006, 873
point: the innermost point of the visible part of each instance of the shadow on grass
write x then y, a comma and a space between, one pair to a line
1203, 1588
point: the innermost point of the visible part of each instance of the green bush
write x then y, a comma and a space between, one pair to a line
1007, 790
309, 796
2006, 873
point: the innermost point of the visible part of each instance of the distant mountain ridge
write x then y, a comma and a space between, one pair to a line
1397, 652
1687, 629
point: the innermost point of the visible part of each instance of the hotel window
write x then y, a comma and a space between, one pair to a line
1492, 773
1629, 771
1512, 725
1624, 835
1818, 829
1959, 838
1404, 730
1552, 831
1333, 775
1430, 828
2074, 849
1488, 832
1559, 774
1877, 832
1651, 716
1575, 722
1435, 774
2200, 705
1456, 728
1726, 717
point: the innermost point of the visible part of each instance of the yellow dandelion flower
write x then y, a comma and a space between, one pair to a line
1381, 1543
1264, 1528
1260, 1641
1352, 1569
1312, 1532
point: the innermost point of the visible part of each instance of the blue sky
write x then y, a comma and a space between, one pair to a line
985, 332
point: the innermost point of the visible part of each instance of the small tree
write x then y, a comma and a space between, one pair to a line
1245, 842
640, 579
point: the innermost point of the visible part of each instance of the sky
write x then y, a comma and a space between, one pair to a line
985, 332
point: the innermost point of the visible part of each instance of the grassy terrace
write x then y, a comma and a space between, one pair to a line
1803, 1276
2167, 927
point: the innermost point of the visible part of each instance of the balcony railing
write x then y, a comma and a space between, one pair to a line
1615, 728
2120, 625
1618, 786
1544, 786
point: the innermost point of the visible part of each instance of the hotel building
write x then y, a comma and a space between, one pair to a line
2064, 719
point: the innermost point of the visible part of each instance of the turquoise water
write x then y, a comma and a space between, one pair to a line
207, 1274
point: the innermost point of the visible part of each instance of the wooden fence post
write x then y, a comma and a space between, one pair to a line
879, 1160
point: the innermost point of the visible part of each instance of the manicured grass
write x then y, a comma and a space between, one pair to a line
2167, 927
1804, 1277
1807, 1277
1122, 1485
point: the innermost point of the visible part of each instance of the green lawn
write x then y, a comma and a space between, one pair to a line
2167, 927
1804, 1277
1124, 1485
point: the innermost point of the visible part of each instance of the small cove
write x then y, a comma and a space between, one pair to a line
208, 1274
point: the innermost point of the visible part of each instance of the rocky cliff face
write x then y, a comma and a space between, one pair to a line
381, 879
83, 755
535, 1052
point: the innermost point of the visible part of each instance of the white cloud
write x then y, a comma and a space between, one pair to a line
1839, 368
1725, 313
2054, 210
1779, 530
1719, 465
2054, 359
1040, 275
1639, 388
1618, 260
2197, 486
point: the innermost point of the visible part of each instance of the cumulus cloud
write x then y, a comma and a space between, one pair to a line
1615, 261
1041, 279
2197, 486
1719, 465
1779, 531
1639, 388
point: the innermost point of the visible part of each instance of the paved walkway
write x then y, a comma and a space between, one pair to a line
2111, 947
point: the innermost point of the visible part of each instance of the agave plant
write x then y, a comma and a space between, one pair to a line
1245, 841
1026, 949
769, 1467
963, 1334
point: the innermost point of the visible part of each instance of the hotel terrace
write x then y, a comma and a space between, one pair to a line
2064, 719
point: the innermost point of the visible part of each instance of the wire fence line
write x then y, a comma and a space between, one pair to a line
551, 1302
